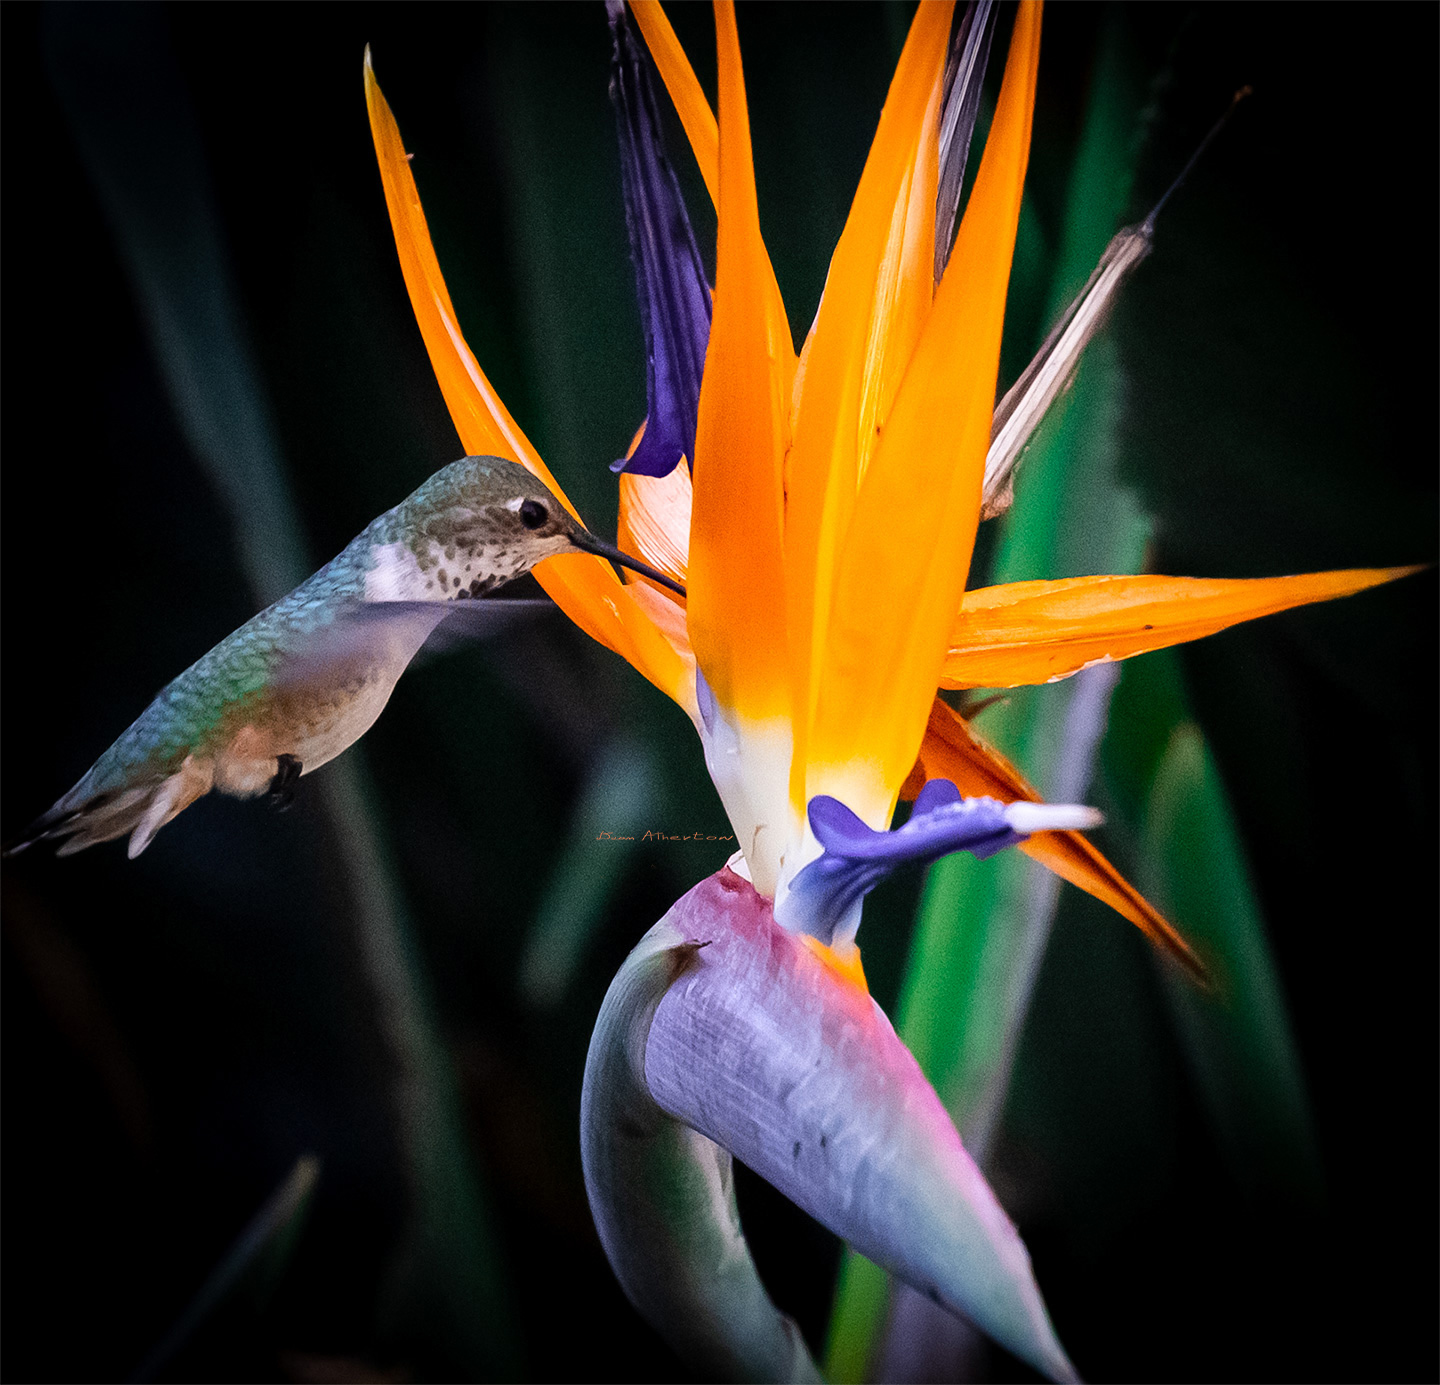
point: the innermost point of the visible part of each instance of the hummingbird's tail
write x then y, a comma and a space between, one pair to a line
75, 828
86, 816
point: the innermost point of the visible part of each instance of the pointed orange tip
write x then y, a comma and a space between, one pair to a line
952, 750
1075, 858
1040, 632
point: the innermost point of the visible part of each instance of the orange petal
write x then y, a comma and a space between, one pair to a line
1039, 632
667, 612
654, 523
684, 88
951, 750
737, 581
904, 560
481, 419
877, 296
585, 588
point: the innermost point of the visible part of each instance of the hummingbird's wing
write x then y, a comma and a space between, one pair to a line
371, 632
467, 621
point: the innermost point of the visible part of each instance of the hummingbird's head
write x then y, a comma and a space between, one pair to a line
514, 513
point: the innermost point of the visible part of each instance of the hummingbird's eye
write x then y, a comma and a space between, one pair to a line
533, 514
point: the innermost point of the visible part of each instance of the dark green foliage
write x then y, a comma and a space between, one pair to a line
179, 1029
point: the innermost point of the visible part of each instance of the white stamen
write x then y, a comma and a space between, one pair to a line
1052, 817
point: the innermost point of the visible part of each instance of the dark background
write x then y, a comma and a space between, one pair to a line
179, 1029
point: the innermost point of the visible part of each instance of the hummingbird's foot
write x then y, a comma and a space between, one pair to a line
282, 786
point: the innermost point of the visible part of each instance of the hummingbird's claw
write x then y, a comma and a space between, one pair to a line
282, 786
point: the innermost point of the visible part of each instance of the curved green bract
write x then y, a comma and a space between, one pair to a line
725, 1023
663, 1196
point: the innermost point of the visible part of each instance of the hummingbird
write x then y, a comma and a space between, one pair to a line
307, 677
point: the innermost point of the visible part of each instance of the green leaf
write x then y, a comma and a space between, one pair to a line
861, 1294
1237, 1040
259, 1254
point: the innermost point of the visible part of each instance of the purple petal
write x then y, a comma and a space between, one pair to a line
836, 828
941, 823
669, 276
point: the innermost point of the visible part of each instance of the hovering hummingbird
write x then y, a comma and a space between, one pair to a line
304, 679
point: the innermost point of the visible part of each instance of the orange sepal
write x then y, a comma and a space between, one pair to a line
951, 750
902, 570
480, 417
585, 588
680, 81
1040, 632
737, 577
877, 297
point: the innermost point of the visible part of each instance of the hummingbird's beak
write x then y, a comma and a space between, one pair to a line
586, 542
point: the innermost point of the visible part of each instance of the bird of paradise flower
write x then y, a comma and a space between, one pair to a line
824, 529
835, 489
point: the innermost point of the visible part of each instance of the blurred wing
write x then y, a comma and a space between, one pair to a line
467, 621
375, 634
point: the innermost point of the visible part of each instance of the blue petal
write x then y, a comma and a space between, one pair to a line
936, 793
824, 898
669, 276
942, 822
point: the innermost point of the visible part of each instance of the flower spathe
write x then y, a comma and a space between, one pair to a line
723, 1027
832, 491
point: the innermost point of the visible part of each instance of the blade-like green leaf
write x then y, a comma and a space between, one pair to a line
259, 1252
1238, 1040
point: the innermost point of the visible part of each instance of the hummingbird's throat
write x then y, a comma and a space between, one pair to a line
452, 572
